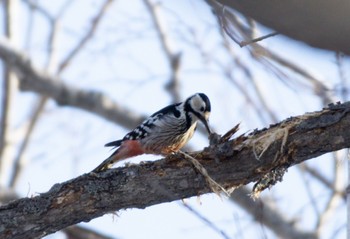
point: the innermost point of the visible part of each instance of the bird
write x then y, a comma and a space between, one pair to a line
164, 132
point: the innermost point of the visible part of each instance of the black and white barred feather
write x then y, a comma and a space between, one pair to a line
165, 131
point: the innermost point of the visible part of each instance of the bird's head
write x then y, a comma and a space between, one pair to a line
199, 105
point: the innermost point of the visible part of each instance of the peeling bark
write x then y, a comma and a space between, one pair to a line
231, 163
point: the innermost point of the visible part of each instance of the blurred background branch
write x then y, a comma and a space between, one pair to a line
121, 61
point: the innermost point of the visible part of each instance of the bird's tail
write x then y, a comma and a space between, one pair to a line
107, 163
128, 149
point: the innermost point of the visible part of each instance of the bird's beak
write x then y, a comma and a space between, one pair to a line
205, 122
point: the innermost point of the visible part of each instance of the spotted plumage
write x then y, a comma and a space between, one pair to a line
166, 131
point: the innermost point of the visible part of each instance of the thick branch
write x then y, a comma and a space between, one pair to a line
35, 80
231, 163
302, 20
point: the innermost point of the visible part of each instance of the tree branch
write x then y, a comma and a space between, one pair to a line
9, 87
299, 20
37, 81
78, 232
263, 213
173, 58
40, 104
88, 35
231, 163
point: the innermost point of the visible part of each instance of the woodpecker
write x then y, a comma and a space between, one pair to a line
164, 132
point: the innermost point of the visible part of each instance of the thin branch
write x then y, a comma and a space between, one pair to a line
205, 220
29, 29
262, 101
19, 159
334, 199
40, 105
229, 20
261, 106
88, 35
37, 108
312, 198
174, 59
319, 88
316, 174
344, 90
328, 212
10, 83
262, 212
92, 195
38, 81
35, 6
245, 43
78, 232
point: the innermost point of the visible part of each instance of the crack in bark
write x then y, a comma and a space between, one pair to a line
231, 163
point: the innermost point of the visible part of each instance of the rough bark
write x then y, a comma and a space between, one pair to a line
231, 163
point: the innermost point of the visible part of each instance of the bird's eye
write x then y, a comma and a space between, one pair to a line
202, 109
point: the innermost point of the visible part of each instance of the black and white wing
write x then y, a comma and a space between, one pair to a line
154, 122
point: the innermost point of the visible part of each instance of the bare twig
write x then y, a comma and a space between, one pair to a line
39, 107
173, 58
79, 232
235, 29
19, 159
316, 174
335, 198
262, 101
344, 90
319, 88
205, 220
245, 43
260, 106
262, 212
227, 70
228, 19
89, 34
10, 84
312, 198
44, 84
35, 6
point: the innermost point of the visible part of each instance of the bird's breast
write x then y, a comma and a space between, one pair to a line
168, 140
